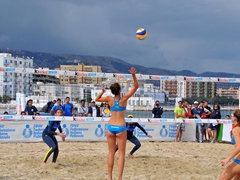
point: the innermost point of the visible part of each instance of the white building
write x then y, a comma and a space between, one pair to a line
13, 82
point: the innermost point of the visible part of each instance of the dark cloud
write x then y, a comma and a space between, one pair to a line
194, 35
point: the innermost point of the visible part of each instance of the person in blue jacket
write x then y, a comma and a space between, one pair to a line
130, 126
49, 138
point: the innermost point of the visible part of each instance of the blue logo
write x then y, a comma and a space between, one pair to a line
50, 118
24, 70
128, 76
99, 131
163, 120
232, 80
65, 73
89, 119
198, 79
65, 130
164, 77
92, 74
10, 69
163, 131
128, 119
198, 121
27, 132
52, 72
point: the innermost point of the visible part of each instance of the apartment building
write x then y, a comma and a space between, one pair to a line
79, 79
229, 92
13, 82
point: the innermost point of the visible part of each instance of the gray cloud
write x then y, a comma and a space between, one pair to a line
199, 36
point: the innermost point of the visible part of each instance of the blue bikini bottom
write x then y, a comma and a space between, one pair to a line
237, 161
115, 129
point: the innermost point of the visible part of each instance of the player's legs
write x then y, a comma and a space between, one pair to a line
232, 170
137, 143
49, 141
111, 139
56, 150
122, 139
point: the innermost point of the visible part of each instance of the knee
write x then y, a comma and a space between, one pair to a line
138, 144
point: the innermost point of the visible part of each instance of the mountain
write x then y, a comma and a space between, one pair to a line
108, 64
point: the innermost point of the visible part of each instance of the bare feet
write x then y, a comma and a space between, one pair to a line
130, 155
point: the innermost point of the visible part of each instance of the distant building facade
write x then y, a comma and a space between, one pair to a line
229, 92
13, 82
79, 79
189, 89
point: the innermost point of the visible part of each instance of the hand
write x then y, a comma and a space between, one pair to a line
149, 136
62, 135
63, 138
224, 162
132, 71
102, 87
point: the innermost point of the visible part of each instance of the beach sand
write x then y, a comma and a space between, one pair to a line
87, 160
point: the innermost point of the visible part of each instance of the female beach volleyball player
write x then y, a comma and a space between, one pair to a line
233, 168
116, 128
49, 138
130, 126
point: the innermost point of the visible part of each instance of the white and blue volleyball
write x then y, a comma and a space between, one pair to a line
141, 34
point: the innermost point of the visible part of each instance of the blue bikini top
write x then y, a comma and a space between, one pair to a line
233, 140
116, 106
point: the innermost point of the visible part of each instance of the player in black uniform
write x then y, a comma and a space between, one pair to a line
49, 138
130, 126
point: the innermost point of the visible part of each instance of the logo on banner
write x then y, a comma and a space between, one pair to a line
2, 69
41, 71
155, 77
24, 70
118, 76
65, 130
140, 76
27, 132
104, 75
82, 74
163, 131
99, 131
139, 120
65, 73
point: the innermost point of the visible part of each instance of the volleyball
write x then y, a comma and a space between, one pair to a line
141, 34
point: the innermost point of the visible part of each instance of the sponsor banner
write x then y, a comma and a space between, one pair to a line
31, 131
224, 121
118, 76
105, 75
231, 80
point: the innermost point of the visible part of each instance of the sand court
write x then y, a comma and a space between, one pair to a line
87, 161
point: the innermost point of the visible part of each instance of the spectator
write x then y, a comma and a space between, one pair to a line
216, 114
197, 113
80, 114
157, 111
30, 109
106, 110
23, 113
67, 108
205, 113
57, 106
5, 113
82, 108
101, 108
50, 104
187, 108
94, 110
37, 114
179, 114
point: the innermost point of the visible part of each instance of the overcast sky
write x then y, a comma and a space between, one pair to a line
200, 36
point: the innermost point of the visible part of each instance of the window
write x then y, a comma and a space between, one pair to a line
133, 102
15, 63
10, 61
20, 62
